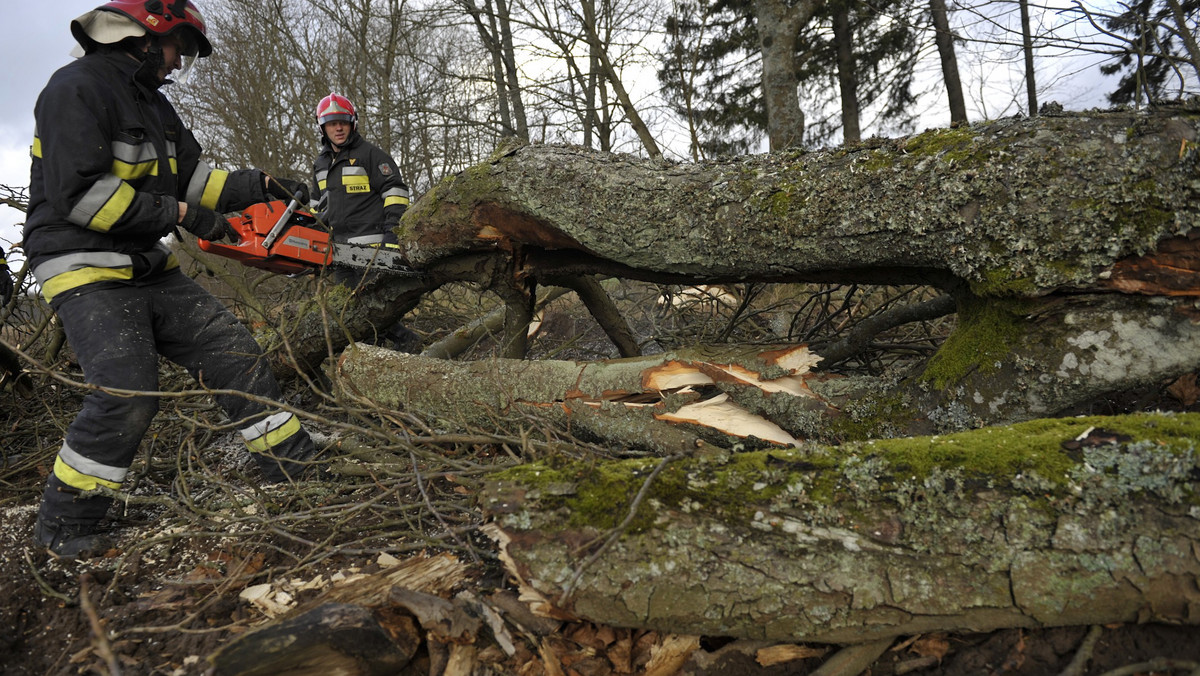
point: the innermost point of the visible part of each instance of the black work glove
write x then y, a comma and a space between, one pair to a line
285, 189
207, 224
6, 281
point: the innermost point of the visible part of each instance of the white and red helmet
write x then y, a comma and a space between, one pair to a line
336, 107
155, 17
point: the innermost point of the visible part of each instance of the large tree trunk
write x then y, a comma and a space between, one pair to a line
1069, 243
1076, 521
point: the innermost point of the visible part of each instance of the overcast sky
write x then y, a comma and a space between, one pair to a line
38, 41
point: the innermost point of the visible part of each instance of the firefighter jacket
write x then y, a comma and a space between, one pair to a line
359, 191
111, 160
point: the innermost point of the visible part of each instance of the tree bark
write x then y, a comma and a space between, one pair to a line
778, 25
1006, 208
1027, 48
723, 396
1068, 522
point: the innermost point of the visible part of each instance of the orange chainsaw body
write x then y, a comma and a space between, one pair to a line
297, 247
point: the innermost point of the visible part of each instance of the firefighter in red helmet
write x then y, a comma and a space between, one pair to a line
114, 171
361, 192
361, 195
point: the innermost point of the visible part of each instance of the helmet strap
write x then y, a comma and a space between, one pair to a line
152, 62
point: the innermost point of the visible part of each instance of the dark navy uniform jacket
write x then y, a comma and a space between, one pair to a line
110, 160
360, 191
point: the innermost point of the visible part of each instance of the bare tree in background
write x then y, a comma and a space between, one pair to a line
1027, 49
944, 39
494, 26
779, 23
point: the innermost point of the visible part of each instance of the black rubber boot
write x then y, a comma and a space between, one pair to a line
67, 541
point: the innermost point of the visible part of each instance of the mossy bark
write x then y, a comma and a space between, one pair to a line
1010, 207
1003, 527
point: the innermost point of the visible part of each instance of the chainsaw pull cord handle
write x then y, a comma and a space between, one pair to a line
277, 229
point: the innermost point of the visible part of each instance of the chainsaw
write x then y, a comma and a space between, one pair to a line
285, 239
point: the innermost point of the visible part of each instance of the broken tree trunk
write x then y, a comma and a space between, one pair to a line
1066, 522
724, 396
1070, 244
1018, 207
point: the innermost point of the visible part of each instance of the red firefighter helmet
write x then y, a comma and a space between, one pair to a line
163, 17
336, 107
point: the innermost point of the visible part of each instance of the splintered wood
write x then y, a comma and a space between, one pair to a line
720, 395
721, 413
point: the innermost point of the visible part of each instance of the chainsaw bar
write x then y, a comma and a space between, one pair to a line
375, 258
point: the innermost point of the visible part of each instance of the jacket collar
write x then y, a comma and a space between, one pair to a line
126, 66
351, 141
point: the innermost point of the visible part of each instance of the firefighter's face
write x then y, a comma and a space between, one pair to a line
337, 131
172, 51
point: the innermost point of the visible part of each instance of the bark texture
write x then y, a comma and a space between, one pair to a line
659, 404
1014, 207
1076, 521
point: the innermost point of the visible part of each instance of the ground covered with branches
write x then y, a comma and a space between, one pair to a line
205, 552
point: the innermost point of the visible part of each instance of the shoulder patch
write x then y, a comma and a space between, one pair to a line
385, 169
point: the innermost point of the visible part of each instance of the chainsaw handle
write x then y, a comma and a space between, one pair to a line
277, 229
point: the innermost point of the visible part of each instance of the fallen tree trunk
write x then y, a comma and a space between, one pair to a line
725, 396
1068, 522
1010, 207
1070, 245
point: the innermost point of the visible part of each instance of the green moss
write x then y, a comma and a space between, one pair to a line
1021, 459
871, 419
951, 145
1002, 281
879, 160
987, 330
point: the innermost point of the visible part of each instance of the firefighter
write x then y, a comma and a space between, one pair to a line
114, 171
359, 191
6, 281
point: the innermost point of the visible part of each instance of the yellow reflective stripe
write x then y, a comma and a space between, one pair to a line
75, 278
274, 437
321, 185
76, 479
172, 262
174, 166
128, 171
114, 208
213, 188
390, 201
351, 179
36, 149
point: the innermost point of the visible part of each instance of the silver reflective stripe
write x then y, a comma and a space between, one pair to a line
94, 200
322, 175
354, 171
265, 425
195, 189
76, 261
396, 192
368, 239
134, 154
90, 467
